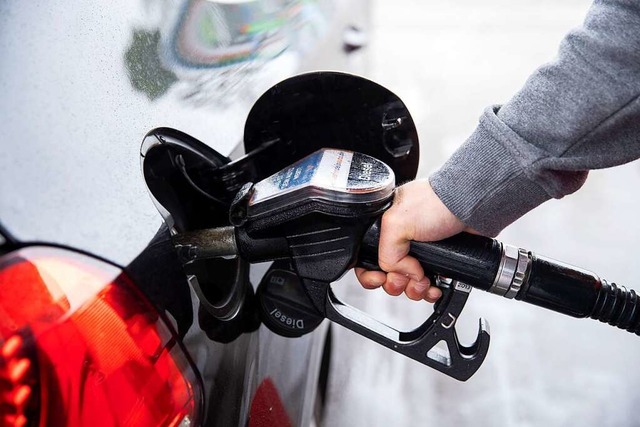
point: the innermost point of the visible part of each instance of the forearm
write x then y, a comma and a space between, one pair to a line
577, 113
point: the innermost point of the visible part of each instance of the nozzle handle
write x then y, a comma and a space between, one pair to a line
465, 257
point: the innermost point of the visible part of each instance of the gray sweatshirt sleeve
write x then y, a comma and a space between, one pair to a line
580, 112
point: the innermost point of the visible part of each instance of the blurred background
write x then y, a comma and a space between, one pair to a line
448, 61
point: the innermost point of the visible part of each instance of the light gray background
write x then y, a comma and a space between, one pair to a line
447, 61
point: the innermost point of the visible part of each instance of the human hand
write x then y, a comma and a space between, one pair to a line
416, 214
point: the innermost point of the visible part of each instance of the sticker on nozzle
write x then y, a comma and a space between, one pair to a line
326, 169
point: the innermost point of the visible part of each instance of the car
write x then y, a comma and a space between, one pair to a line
99, 325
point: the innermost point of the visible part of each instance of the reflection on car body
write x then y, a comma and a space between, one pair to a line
216, 52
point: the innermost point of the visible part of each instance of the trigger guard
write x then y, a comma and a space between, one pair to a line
447, 286
460, 363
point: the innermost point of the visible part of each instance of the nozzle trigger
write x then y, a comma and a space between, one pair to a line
434, 343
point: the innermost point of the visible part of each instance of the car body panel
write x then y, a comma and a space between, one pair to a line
82, 84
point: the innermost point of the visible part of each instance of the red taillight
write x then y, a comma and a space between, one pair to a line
80, 346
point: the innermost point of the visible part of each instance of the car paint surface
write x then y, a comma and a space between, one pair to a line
81, 86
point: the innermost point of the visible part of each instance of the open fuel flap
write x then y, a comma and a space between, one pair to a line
193, 186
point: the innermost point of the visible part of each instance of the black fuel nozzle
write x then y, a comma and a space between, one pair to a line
312, 216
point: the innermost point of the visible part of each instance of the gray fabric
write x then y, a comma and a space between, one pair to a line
580, 112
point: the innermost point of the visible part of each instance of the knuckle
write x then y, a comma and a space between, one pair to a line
370, 284
393, 288
385, 265
412, 295
390, 220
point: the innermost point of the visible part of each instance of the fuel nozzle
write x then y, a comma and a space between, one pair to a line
311, 218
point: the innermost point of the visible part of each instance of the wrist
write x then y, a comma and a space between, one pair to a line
419, 212
483, 184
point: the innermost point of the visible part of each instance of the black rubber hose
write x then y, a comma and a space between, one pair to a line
618, 306
580, 293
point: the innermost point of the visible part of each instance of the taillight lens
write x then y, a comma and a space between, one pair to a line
80, 346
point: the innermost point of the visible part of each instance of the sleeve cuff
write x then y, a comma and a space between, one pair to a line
483, 183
